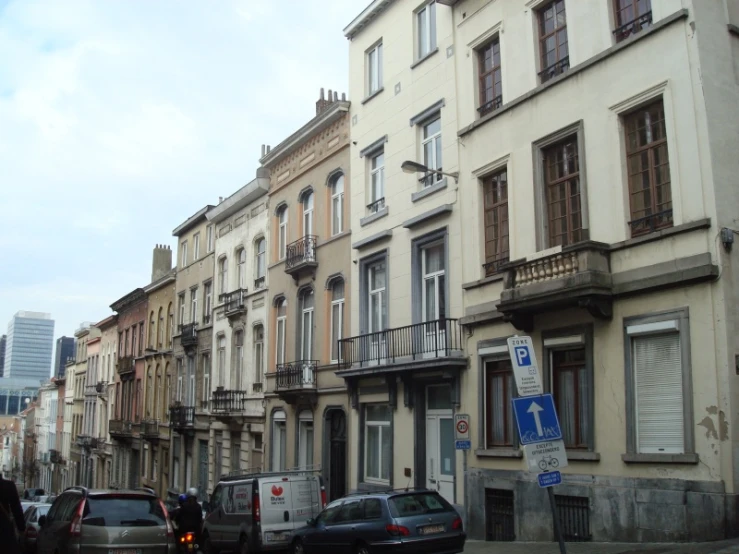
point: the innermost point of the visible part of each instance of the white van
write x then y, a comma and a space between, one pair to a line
260, 511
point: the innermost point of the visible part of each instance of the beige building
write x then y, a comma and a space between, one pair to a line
81, 441
190, 325
158, 373
105, 391
308, 280
406, 361
239, 335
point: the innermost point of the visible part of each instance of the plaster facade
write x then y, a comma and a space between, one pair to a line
106, 395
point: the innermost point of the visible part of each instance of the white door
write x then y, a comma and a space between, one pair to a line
440, 452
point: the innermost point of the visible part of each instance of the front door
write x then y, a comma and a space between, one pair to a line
440, 452
337, 455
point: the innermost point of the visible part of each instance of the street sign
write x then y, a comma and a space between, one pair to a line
546, 456
537, 419
462, 427
463, 445
550, 479
525, 368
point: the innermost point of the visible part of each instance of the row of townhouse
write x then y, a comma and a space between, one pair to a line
551, 168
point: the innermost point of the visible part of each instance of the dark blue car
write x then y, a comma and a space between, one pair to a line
402, 522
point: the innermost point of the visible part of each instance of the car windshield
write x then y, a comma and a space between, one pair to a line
123, 511
418, 504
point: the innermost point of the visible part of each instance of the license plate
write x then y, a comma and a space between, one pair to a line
431, 529
276, 537
124, 551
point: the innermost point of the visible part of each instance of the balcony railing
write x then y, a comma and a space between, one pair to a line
228, 401
101, 388
260, 283
55, 456
234, 302
493, 266
555, 69
431, 339
82, 440
491, 105
189, 334
296, 375
150, 429
126, 364
301, 253
182, 417
120, 428
632, 27
376, 206
92, 442
651, 223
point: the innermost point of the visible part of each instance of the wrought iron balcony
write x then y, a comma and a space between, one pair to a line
120, 428
182, 418
557, 68
92, 442
301, 256
150, 429
296, 381
126, 364
226, 402
55, 457
101, 388
189, 334
82, 440
422, 341
632, 27
234, 303
491, 105
574, 276
376, 206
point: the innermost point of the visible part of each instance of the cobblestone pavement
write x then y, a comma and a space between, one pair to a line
483, 547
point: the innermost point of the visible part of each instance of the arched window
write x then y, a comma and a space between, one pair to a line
308, 214
260, 263
241, 267
170, 326
223, 275
221, 360
258, 333
149, 393
161, 401
307, 308
160, 328
337, 317
305, 439
152, 330
337, 204
282, 233
280, 331
237, 367
279, 440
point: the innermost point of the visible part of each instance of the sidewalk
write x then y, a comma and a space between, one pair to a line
483, 547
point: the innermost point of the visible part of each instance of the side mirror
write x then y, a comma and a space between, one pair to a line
206, 506
42, 521
311, 522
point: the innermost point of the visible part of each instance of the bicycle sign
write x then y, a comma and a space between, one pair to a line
546, 462
546, 455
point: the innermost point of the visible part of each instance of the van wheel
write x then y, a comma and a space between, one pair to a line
243, 545
362, 548
298, 547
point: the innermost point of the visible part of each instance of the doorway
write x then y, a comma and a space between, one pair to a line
440, 452
336, 423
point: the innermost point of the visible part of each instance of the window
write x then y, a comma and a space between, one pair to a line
179, 380
141, 338
223, 275
170, 333
149, 394
337, 204
133, 340
570, 386
499, 423
196, 247
562, 192
221, 360
241, 267
631, 17
308, 214
495, 205
307, 305
337, 317
181, 301
433, 285
258, 354
207, 301
209, 238
152, 330
374, 70
377, 182
281, 329
282, 233
238, 361
432, 151
279, 440
183, 253
426, 29
376, 297
206, 379
261, 264
659, 420
378, 446
193, 305
305, 440
553, 47
491, 80
648, 169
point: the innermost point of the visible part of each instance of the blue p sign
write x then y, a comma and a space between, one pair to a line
522, 356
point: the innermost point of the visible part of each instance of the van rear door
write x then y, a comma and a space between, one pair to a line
306, 499
275, 496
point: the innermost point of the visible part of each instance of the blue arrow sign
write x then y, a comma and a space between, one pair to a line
536, 418
550, 479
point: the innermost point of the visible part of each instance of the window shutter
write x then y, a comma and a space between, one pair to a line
659, 394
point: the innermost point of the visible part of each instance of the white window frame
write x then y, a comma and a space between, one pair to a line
238, 360
377, 180
223, 275
194, 305
207, 300
426, 30
241, 268
191, 381
308, 205
282, 233
337, 310
337, 204
181, 300
384, 427
258, 353
278, 417
435, 277
280, 330
209, 238
374, 69
206, 377
179, 380
380, 293
183, 254
305, 455
196, 247
261, 265
306, 330
435, 140
221, 361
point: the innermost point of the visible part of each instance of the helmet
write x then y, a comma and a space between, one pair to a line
182, 497
192, 492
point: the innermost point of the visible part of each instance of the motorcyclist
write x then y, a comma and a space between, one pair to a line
189, 517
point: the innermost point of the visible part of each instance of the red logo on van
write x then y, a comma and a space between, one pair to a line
277, 491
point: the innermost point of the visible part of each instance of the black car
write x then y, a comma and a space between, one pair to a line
403, 522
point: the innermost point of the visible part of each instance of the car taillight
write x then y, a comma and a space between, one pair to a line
323, 497
187, 538
75, 528
31, 532
170, 529
255, 513
457, 524
397, 530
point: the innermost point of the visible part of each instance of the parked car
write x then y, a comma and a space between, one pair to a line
29, 536
41, 499
28, 494
403, 522
258, 512
106, 521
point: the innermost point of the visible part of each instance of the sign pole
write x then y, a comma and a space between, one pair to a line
555, 522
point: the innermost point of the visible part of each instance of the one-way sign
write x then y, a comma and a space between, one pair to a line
537, 419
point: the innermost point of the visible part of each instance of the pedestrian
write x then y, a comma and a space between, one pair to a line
11, 517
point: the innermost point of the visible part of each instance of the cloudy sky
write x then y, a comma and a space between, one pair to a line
121, 118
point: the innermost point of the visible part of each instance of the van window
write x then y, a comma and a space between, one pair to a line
123, 511
372, 508
216, 498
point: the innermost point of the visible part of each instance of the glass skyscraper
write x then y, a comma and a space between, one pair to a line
64, 352
29, 346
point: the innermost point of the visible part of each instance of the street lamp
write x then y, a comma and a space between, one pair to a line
409, 166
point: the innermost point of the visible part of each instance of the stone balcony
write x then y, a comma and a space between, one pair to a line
301, 257
126, 364
296, 381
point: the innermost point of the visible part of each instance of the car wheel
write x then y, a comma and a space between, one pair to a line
362, 549
298, 547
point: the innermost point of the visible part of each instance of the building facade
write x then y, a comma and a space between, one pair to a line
309, 279
70, 451
93, 388
192, 339
45, 422
81, 445
56, 457
29, 346
406, 361
105, 391
63, 352
3, 344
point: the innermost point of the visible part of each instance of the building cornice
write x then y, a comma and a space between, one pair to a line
194, 219
247, 194
161, 282
369, 13
107, 322
131, 298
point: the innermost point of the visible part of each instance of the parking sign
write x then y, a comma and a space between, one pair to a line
525, 368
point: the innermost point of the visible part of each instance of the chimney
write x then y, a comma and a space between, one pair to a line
161, 262
343, 96
220, 199
263, 151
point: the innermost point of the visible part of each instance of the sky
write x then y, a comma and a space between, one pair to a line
120, 119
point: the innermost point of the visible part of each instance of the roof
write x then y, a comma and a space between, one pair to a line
247, 194
132, 297
375, 8
107, 322
192, 220
167, 278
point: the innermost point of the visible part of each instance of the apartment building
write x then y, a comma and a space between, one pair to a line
599, 217
192, 338
30, 445
68, 469
81, 441
308, 274
55, 455
92, 388
405, 361
125, 427
239, 319
46, 433
105, 392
